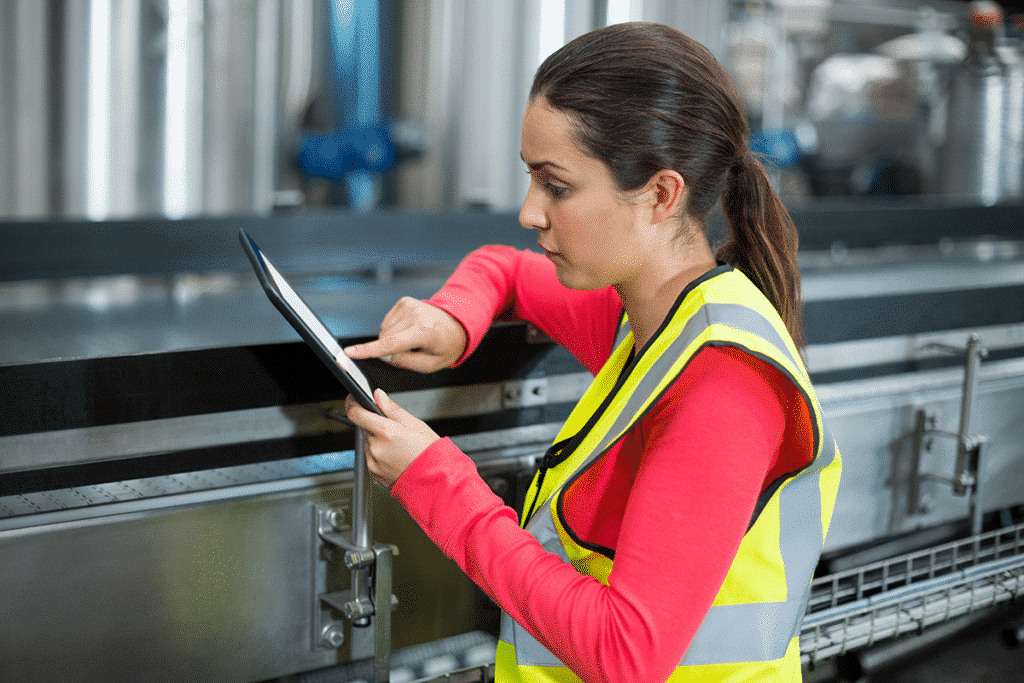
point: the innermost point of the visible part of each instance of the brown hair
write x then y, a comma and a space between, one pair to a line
645, 97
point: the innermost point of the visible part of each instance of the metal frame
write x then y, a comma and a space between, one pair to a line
189, 395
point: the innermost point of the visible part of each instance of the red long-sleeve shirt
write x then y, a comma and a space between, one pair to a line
673, 498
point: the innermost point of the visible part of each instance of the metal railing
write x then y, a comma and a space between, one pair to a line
860, 607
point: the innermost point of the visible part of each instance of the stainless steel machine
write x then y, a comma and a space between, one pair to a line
179, 501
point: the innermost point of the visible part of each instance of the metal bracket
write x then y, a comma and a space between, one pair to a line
969, 447
370, 565
356, 607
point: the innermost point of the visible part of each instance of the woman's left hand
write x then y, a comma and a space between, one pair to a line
393, 440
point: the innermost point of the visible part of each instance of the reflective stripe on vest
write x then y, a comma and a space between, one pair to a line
756, 614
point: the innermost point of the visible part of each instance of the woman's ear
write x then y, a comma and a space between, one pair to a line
669, 195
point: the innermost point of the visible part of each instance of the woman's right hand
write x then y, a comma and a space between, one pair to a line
417, 336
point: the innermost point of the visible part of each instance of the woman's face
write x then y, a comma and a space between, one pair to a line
593, 235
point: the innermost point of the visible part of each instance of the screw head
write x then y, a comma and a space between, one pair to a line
336, 518
333, 636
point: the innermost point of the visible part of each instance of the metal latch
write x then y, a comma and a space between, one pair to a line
969, 447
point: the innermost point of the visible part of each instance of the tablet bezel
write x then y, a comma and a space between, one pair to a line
352, 378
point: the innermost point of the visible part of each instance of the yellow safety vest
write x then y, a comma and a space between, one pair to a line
750, 632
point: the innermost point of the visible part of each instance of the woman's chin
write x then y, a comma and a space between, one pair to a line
572, 279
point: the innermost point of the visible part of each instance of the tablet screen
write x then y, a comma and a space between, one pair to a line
314, 324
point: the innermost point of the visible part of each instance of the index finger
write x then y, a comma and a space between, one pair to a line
395, 342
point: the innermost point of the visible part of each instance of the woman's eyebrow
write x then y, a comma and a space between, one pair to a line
538, 165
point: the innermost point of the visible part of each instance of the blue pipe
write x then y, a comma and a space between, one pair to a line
361, 147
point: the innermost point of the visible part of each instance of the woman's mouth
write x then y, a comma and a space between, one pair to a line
548, 252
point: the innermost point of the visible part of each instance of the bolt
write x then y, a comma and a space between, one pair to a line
355, 559
333, 636
336, 518
357, 610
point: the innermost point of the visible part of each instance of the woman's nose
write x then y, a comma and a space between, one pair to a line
531, 216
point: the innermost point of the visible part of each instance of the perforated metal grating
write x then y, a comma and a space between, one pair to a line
862, 606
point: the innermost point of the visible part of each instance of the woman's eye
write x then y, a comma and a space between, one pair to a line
556, 191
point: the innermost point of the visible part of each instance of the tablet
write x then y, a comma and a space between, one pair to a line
308, 325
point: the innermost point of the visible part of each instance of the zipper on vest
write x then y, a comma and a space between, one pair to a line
555, 455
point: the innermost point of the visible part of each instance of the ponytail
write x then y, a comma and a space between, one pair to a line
764, 240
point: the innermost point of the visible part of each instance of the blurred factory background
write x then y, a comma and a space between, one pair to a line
128, 108
176, 501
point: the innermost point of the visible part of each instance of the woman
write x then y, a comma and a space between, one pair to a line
672, 529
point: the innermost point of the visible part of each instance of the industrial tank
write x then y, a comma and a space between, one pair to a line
124, 108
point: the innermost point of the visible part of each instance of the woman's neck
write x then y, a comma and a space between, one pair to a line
649, 298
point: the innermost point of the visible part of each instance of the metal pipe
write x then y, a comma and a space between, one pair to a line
361, 533
977, 499
265, 107
360, 495
975, 352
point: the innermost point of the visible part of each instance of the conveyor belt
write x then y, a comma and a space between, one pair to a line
522, 444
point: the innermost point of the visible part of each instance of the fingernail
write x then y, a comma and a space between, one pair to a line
382, 394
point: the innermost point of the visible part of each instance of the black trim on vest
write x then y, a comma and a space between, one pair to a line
762, 499
618, 326
607, 552
766, 495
